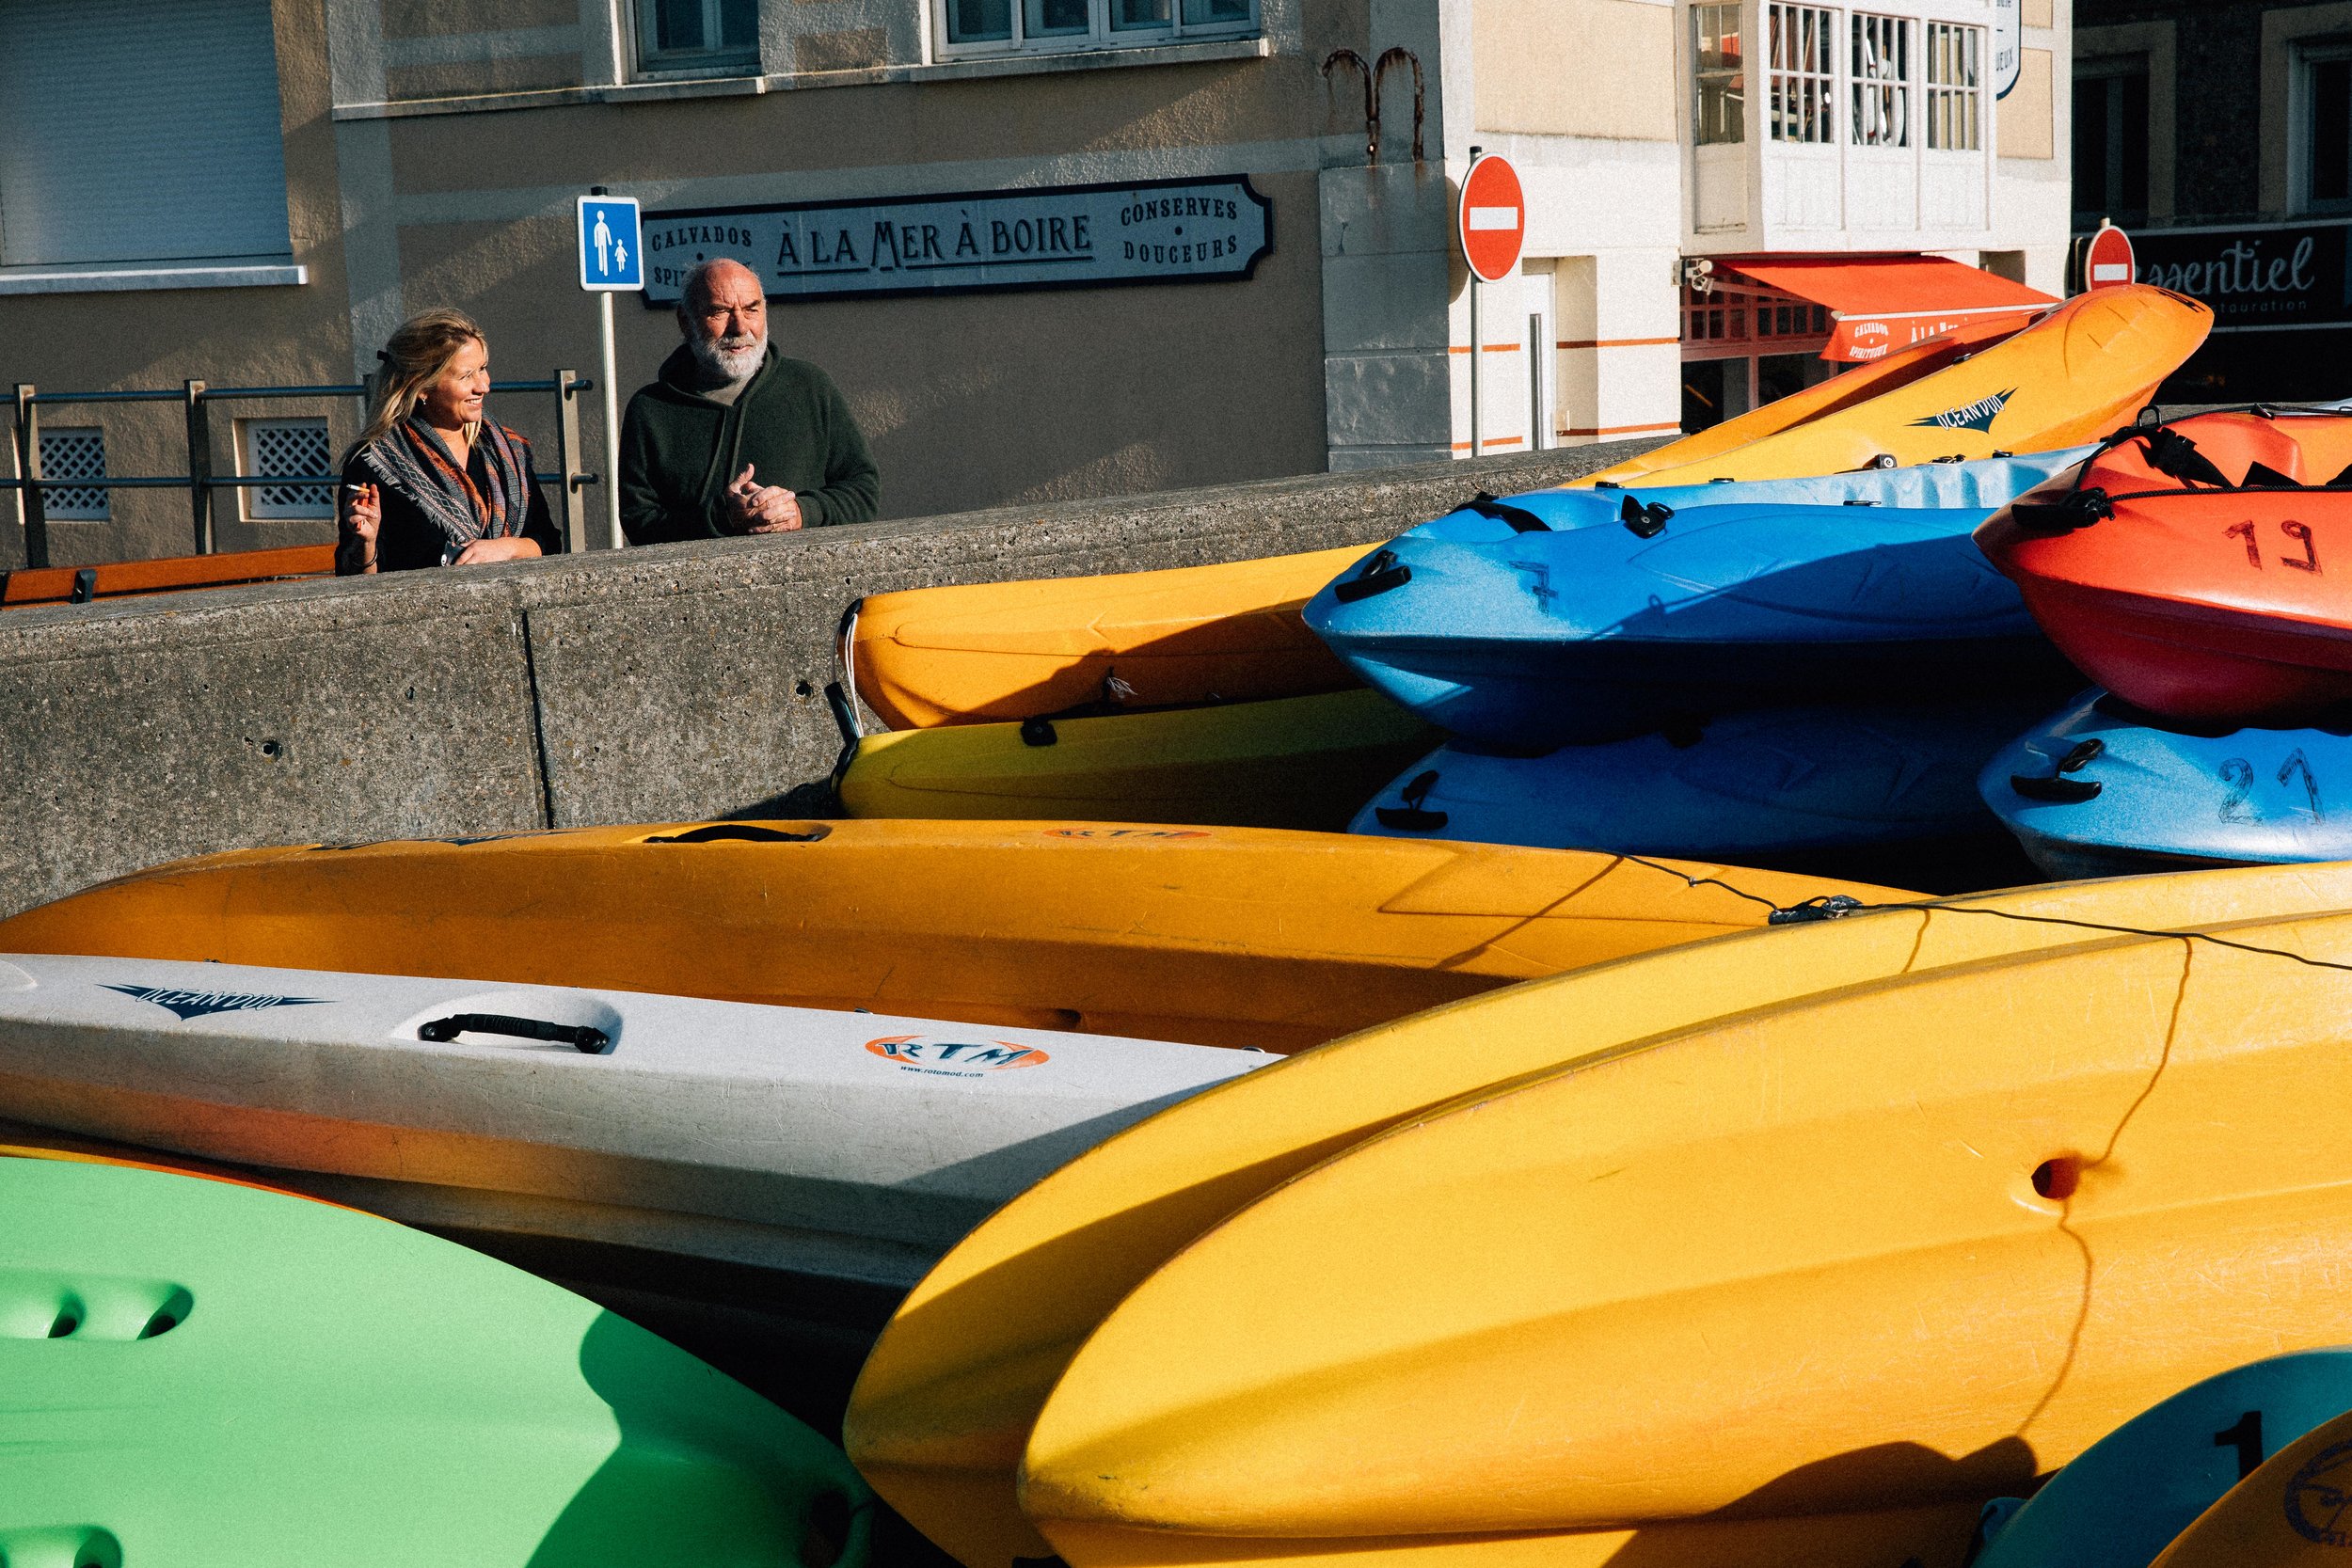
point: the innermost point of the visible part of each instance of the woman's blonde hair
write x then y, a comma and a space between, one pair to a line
414, 358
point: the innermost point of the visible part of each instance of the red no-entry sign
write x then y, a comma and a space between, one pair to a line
1492, 218
2108, 262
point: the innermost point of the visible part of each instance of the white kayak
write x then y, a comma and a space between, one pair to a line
832, 1146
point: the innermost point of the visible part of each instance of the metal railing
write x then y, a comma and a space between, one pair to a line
197, 398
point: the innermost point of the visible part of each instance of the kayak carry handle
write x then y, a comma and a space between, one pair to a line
1519, 518
1644, 522
1038, 732
2172, 453
1380, 572
584, 1039
1410, 817
750, 832
2077, 509
2058, 789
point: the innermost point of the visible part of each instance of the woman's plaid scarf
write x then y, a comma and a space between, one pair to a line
411, 460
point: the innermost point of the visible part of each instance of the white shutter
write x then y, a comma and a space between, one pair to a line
139, 131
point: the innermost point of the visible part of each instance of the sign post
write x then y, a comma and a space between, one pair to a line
2108, 260
611, 263
1493, 222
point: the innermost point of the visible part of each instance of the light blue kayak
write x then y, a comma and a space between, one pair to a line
2100, 790
2122, 1500
1759, 784
1550, 636
1988, 484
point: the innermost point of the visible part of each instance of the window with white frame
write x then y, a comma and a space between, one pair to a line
1801, 52
71, 455
1881, 114
287, 448
707, 38
1955, 86
1720, 70
2323, 111
1043, 27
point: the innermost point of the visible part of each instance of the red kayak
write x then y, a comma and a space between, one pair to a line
2201, 570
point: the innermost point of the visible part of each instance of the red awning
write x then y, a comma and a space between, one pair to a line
1883, 303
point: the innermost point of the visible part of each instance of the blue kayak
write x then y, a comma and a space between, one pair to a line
1550, 636
2100, 790
1987, 483
1749, 786
2122, 1500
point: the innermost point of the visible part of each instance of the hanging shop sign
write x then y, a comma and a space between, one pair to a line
2009, 46
1055, 237
2280, 275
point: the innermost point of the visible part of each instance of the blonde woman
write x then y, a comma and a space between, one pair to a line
430, 482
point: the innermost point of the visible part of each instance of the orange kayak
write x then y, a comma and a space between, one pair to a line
2198, 570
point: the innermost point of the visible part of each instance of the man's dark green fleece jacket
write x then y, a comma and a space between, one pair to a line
679, 451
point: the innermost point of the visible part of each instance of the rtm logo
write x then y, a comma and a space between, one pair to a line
1125, 832
1979, 415
196, 1004
955, 1058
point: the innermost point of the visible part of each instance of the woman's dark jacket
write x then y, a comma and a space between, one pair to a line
408, 539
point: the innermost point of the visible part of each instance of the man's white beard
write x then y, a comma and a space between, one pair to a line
730, 358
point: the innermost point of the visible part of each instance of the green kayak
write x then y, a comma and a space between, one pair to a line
202, 1375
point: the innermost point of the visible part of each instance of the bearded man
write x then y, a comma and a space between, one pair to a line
734, 437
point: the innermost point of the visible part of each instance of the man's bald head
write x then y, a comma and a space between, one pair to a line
720, 270
723, 313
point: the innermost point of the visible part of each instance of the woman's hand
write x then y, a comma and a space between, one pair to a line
483, 551
362, 516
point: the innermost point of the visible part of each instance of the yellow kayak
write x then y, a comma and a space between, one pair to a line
1295, 762
2080, 372
1215, 936
2294, 1512
1897, 1246
947, 1400
1841, 392
988, 652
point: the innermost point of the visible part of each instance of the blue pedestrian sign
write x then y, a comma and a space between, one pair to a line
609, 239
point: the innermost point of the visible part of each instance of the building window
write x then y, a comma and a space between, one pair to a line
1803, 63
2325, 95
274, 448
71, 455
1882, 81
701, 36
131, 133
1955, 86
1043, 27
1744, 313
1722, 81
2110, 141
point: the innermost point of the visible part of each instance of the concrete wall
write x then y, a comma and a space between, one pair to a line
683, 681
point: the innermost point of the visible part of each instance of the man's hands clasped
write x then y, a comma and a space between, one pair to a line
757, 508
